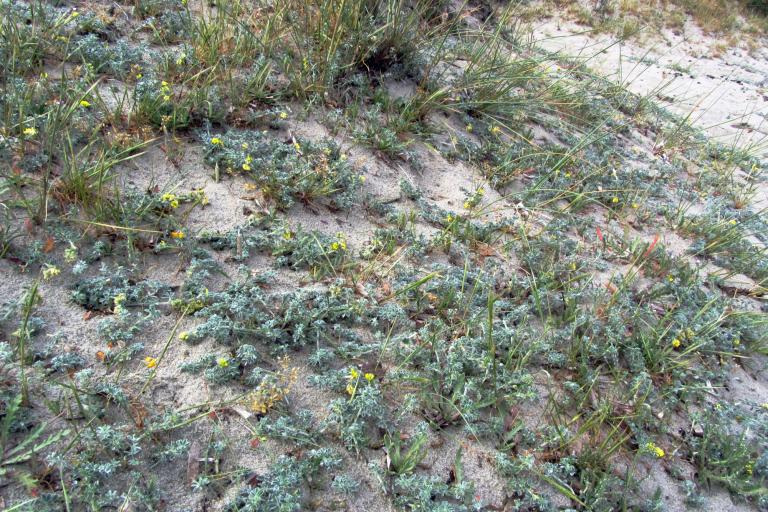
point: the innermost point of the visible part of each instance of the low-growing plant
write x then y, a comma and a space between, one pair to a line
286, 172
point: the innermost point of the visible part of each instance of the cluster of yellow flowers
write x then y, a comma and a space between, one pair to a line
171, 199
353, 380
475, 199
50, 271
247, 163
216, 141
150, 362
165, 90
119, 300
275, 388
198, 195
340, 244
70, 253
652, 448
688, 335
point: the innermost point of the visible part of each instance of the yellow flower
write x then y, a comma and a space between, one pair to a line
84, 103
30, 132
139, 76
283, 115
222, 362
244, 145
468, 128
166, 98
615, 200
652, 448
216, 141
495, 130
246, 167
184, 336
178, 235
362, 179
369, 377
676, 343
449, 218
50, 271
353, 374
567, 174
732, 222
467, 206
635, 206
297, 146
150, 362
335, 246
287, 235
350, 389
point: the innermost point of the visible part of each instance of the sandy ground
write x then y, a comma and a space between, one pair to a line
724, 95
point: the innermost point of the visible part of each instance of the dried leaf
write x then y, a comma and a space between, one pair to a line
360, 290
193, 461
242, 411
